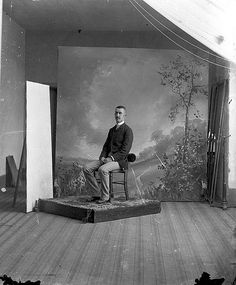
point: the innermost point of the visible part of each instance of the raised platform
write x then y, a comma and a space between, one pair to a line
78, 208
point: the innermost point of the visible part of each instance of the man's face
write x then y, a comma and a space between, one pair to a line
119, 115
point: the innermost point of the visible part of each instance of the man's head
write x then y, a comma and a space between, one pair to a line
120, 113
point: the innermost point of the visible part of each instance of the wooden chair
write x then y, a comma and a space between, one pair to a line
124, 181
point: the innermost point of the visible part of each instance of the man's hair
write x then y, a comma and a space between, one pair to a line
121, 107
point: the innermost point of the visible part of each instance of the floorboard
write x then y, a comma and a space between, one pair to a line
170, 248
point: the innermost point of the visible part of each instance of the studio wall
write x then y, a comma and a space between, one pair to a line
42, 48
169, 124
12, 99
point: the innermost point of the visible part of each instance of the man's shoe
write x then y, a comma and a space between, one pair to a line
93, 199
102, 201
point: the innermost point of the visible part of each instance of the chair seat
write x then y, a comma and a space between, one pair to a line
119, 170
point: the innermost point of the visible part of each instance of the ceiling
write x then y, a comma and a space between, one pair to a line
93, 15
71, 15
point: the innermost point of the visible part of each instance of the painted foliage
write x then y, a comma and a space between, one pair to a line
165, 93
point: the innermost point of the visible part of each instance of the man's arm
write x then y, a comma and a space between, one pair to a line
106, 147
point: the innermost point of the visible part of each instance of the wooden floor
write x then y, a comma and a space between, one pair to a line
173, 247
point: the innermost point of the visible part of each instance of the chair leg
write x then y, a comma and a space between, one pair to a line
126, 185
111, 185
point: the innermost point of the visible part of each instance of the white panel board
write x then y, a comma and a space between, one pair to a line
38, 142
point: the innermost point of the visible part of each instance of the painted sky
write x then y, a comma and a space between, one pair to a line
92, 81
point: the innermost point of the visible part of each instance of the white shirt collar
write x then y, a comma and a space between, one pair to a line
121, 123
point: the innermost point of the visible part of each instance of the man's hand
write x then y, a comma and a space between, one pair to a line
102, 159
107, 159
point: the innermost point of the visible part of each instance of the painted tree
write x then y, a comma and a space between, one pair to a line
184, 78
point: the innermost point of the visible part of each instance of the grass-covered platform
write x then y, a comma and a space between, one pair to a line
78, 208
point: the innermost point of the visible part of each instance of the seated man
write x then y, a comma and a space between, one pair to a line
113, 156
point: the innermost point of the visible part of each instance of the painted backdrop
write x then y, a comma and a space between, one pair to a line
165, 92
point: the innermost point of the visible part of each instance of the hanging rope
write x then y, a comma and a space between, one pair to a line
179, 45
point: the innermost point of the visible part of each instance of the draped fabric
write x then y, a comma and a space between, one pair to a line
211, 22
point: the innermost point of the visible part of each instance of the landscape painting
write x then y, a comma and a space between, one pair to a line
165, 93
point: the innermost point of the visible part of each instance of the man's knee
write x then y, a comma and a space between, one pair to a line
87, 169
103, 170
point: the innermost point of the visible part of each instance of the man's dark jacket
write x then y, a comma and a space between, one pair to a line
118, 145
